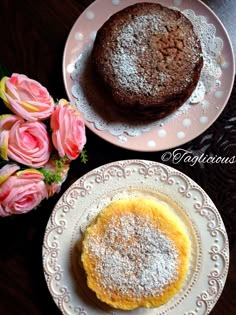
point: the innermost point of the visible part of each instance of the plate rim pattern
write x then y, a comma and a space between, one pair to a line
186, 188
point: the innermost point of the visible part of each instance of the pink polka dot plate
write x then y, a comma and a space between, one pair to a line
186, 124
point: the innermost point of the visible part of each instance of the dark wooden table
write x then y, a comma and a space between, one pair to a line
33, 35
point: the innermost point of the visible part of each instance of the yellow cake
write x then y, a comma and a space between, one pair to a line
136, 254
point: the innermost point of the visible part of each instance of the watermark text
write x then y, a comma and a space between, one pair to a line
181, 155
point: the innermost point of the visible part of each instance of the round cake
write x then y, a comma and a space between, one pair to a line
149, 58
136, 254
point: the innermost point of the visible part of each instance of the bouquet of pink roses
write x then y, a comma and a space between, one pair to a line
38, 140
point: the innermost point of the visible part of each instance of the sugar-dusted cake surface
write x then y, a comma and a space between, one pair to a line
149, 58
136, 254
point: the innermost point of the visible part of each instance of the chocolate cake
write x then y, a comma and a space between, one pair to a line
149, 58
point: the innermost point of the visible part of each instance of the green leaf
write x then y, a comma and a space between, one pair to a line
84, 156
54, 176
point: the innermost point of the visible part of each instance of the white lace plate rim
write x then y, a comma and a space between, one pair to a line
98, 187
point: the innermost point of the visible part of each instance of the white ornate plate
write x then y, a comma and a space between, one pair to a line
89, 194
191, 121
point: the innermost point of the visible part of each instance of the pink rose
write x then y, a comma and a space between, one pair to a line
7, 171
24, 142
21, 192
68, 130
26, 98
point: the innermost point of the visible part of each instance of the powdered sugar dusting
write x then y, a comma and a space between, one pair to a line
149, 50
134, 257
131, 47
115, 129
